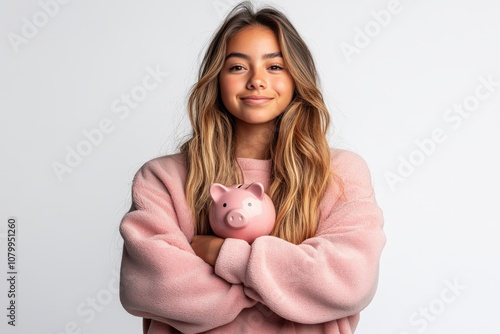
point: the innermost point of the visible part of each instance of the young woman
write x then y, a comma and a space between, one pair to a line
257, 115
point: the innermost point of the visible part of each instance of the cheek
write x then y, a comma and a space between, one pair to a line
285, 87
228, 88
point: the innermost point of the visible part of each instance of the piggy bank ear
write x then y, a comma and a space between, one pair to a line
217, 190
257, 189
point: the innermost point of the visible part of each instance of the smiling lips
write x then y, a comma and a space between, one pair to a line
256, 99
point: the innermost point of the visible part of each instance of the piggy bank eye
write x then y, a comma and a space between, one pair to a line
249, 204
224, 205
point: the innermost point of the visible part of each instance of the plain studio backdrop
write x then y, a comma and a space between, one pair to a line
90, 90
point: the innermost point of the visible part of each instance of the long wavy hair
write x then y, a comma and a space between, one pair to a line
299, 151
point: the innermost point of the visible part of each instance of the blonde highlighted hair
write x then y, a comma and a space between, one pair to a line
299, 150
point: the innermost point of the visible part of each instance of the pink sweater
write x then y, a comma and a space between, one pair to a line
270, 286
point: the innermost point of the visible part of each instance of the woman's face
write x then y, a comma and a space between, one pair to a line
255, 85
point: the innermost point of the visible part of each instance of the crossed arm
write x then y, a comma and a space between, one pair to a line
327, 277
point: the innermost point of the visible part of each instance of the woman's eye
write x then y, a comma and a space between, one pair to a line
236, 68
275, 67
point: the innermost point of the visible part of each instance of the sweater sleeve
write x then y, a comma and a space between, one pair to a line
329, 276
161, 276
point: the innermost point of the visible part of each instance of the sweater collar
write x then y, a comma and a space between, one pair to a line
254, 164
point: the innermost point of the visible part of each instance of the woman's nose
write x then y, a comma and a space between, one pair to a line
256, 81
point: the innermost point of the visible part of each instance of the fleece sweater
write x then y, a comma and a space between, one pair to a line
269, 286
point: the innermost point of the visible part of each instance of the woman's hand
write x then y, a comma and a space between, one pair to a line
207, 247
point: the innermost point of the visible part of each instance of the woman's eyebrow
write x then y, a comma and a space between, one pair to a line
247, 57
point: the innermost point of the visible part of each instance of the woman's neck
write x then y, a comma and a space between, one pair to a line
253, 142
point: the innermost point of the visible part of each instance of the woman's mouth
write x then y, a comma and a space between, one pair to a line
256, 99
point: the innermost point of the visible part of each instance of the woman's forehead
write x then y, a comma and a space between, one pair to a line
253, 40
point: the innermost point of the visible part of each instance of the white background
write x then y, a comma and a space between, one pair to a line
62, 78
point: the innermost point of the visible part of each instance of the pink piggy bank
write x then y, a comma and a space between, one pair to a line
241, 211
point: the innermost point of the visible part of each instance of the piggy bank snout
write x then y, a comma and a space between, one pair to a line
236, 218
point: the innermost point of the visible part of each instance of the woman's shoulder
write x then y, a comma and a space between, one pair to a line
166, 166
342, 159
352, 170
